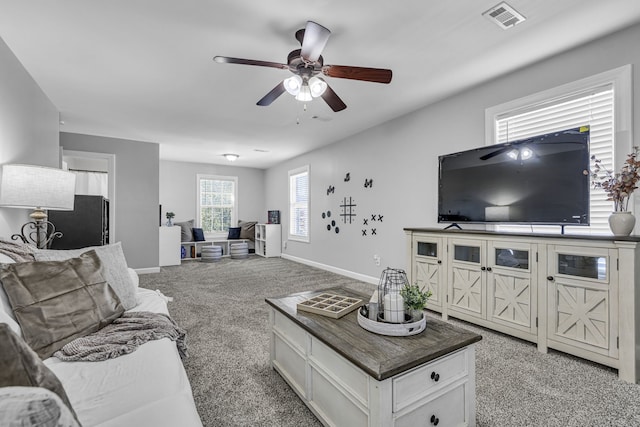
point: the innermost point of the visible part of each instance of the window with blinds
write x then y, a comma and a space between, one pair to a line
217, 203
299, 204
593, 108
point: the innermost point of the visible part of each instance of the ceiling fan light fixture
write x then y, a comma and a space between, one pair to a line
305, 94
293, 84
317, 86
231, 157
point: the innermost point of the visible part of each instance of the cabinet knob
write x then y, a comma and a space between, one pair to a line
550, 278
434, 420
435, 377
483, 268
488, 268
439, 261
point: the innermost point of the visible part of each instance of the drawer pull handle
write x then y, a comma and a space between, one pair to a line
550, 278
434, 420
435, 377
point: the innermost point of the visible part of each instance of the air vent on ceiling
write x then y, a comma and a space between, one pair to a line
504, 16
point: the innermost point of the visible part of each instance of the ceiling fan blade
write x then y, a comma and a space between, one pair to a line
314, 40
376, 75
334, 101
272, 95
228, 60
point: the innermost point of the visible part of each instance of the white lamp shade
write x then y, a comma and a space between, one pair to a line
30, 187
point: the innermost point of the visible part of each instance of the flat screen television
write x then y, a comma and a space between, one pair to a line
538, 180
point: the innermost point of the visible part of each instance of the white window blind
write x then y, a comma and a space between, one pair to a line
593, 108
299, 204
217, 204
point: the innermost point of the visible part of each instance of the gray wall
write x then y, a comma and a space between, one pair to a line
401, 158
178, 189
28, 128
136, 196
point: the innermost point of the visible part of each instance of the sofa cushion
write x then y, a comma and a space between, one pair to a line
115, 266
234, 233
186, 234
247, 229
21, 366
198, 235
57, 301
33, 407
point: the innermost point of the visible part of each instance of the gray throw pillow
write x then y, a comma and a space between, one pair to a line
21, 366
33, 407
56, 302
247, 229
186, 234
115, 265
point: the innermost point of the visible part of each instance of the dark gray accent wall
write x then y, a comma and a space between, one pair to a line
137, 193
28, 128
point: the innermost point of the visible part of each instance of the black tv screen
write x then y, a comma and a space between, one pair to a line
538, 180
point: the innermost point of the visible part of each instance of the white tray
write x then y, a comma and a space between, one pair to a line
393, 329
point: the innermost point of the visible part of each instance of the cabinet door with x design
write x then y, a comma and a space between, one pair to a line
467, 278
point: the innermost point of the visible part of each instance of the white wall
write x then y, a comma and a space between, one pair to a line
401, 157
28, 128
178, 189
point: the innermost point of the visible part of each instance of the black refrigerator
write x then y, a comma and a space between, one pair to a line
86, 225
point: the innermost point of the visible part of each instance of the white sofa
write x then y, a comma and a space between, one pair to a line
148, 387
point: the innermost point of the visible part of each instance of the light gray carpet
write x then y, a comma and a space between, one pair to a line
221, 305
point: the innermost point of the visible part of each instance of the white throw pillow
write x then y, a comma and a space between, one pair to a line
115, 265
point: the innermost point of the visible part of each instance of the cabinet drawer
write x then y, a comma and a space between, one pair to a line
290, 364
444, 410
340, 370
292, 333
415, 385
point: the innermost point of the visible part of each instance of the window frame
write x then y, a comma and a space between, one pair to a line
234, 209
292, 173
620, 79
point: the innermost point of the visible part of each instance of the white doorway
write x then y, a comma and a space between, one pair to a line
95, 175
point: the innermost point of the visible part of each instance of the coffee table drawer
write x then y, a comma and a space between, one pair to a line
446, 410
292, 333
418, 383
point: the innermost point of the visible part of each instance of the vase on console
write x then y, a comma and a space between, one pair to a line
621, 223
619, 187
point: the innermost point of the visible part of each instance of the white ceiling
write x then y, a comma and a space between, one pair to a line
143, 69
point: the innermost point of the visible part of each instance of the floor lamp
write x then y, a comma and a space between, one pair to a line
38, 188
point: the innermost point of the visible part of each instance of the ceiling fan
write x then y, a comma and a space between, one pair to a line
307, 65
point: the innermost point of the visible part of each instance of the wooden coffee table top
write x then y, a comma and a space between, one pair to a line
378, 355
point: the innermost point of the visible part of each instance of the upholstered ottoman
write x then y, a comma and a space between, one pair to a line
211, 253
239, 250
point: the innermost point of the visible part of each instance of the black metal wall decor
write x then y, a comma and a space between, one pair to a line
368, 183
371, 229
347, 177
348, 210
331, 189
331, 224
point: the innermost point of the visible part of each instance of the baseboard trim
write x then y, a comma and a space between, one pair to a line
342, 272
147, 270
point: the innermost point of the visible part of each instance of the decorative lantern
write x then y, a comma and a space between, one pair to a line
390, 302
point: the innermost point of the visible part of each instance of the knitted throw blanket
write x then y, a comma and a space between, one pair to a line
19, 252
124, 336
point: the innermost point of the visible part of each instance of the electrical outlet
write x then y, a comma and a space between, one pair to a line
284, 245
376, 259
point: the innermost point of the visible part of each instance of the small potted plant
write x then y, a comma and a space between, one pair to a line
619, 187
415, 299
170, 216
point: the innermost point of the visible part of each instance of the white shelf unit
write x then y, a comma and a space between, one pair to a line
169, 238
268, 240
